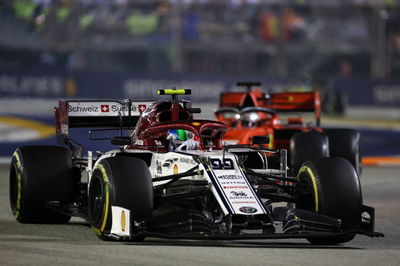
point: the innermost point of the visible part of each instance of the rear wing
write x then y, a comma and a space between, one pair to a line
242, 99
296, 102
97, 114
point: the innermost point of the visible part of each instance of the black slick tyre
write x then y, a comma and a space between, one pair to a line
305, 146
345, 143
119, 181
333, 190
39, 174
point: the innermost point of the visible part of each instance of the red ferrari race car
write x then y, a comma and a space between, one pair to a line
171, 176
279, 116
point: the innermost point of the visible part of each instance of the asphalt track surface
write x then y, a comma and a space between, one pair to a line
76, 244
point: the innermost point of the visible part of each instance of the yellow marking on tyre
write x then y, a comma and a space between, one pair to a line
18, 173
19, 191
98, 231
314, 183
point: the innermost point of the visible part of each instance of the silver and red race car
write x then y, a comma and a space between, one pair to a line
172, 176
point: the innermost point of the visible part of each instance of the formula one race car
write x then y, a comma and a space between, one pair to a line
255, 113
172, 177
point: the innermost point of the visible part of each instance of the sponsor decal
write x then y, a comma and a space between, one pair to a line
247, 209
238, 194
167, 163
142, 108
105, 108
185, 160
102, 109
225, 182
78, 108
120, 225
158, 167
115, 108
123, 221
230, 176
176, 169
236, 187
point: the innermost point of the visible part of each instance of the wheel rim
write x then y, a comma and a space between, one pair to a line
96, 200
306, 199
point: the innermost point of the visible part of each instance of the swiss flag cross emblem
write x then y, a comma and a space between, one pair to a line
142, 108
104, 108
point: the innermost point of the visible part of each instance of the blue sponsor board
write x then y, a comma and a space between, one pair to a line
113, 85
380, 142
366, 92
118, 85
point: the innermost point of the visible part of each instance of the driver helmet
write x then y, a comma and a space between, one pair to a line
250, 119
177, 137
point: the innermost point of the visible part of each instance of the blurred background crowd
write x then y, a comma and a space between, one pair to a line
279, 38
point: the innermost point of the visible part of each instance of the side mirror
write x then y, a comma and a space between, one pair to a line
121, 141
260, 140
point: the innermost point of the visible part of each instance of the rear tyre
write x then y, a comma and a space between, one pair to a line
345, 143
39, 174
333, 189
305, 146
124, 182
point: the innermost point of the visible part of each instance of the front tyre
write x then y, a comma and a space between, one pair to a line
332, 188
119, 181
